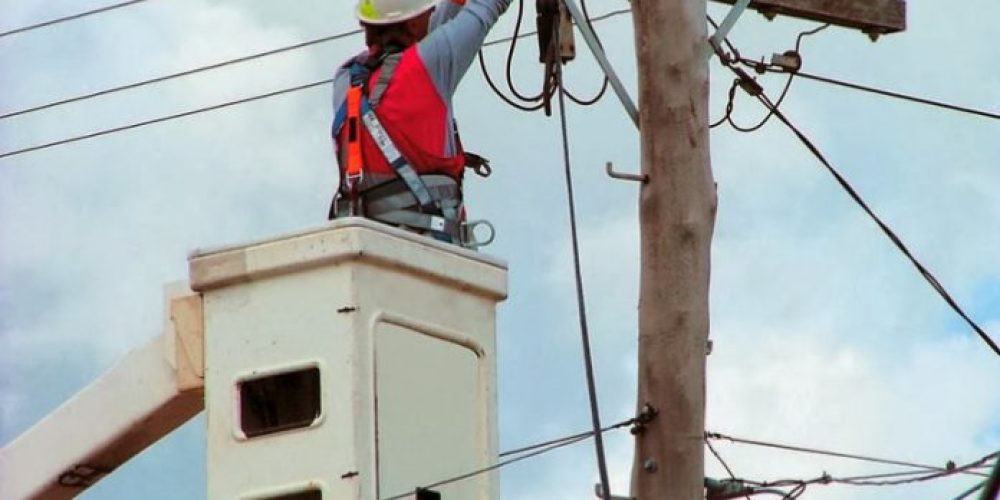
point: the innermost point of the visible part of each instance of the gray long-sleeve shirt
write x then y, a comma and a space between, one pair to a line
456, 34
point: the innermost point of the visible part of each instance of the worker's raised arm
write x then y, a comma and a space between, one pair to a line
445, 10
449, 50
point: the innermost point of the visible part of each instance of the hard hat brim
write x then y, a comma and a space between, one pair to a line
392, 17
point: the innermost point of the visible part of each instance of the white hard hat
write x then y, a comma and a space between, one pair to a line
391, 11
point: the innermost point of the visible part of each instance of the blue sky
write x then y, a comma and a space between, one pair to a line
824, 335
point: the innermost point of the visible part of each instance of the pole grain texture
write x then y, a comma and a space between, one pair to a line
677, 218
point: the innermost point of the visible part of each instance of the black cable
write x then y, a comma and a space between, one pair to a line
759, 93
965, 494
510, 60
762, 66
924, 272
897, 95
800, 485
527, 452
619, 425
489, 468
580, 303
499, 93
69, 18
816, 451
238, 60
723, 462
179, 74
6, 154
606, 82
734, 57
161, 119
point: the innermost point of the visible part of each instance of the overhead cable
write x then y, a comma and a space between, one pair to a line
534, 102
525, 453
754, 89
730, 104
718, 457
69, 18
77, 138
898, 95
604, 84
838, 454
581, 307
162, 119
180, 74
799, 485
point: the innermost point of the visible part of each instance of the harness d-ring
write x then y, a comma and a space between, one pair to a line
468, 233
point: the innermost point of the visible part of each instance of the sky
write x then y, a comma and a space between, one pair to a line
824, 336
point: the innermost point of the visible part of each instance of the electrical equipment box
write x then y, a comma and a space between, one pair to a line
352, 361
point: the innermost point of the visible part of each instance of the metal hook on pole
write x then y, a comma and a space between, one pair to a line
610, 169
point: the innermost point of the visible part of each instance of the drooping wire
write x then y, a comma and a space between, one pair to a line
530, 102
606, 82
595, 415
69, 18
734, 55
499, 93
510, 61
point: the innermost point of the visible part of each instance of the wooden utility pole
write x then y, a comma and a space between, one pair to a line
677, 217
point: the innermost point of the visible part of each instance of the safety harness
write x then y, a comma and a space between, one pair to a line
428, 203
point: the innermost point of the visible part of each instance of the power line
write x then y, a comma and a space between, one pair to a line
761, 67
799, 485
897, 95
69, 18
581, 306
489, 468
77, 138
530, 451
162, 119
180, 74
718, 457
754, 89
838, 454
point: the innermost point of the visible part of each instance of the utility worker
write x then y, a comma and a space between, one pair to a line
400, 158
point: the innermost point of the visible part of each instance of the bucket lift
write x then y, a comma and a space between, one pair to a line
352, 361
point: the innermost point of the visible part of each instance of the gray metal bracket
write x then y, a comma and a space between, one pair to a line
715, 41
609, 168
591, 38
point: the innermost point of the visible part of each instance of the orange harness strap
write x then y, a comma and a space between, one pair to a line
355, 167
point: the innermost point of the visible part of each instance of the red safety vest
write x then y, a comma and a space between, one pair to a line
414, 115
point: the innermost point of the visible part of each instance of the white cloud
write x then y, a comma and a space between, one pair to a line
823, 335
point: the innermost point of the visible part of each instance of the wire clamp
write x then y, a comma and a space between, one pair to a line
646, 415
